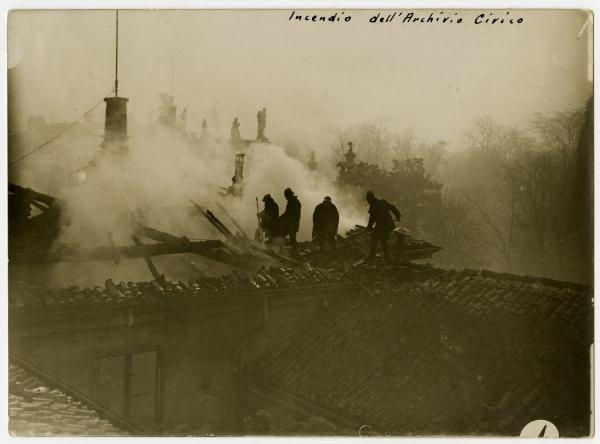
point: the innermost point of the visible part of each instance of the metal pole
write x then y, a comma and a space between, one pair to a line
117, 56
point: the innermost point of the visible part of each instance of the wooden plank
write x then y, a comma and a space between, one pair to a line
157, 235
155, 274
70, 253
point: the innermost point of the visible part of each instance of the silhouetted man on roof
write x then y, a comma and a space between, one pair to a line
325, 222
380, 221
289, 222
269, 217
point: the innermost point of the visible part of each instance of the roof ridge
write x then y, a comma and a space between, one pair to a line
451, 272
535, 279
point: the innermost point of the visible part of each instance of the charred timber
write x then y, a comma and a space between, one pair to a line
33, 195
67, 253
160, 236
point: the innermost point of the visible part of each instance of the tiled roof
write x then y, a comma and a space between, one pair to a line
420, 351
484, 291
443, 352
35, 409
34, 300
328, 269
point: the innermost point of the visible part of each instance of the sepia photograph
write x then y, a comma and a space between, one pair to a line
292, 222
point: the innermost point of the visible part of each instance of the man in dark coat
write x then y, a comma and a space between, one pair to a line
380, 221
289, 222
325, 222
269, 217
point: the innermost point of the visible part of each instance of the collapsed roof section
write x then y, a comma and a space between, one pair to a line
353, 249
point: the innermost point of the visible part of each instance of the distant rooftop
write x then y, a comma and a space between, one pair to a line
37, 409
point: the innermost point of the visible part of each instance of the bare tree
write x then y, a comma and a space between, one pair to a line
490, 188
560, 132
372, 142
501, 230
458, 232
433, 154
480, 138
404, 144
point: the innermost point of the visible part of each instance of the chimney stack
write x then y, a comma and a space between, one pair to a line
239, 166
115, 124
115, 120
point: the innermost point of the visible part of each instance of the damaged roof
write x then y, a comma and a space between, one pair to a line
419, 351
356, 245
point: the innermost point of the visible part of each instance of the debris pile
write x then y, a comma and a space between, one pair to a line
352, 250
255, 267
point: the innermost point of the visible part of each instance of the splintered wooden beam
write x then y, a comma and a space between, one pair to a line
155, 274
233, 221
218, 224
211, 249
160, 236
238, 253
34, 195
70, 253
213, 220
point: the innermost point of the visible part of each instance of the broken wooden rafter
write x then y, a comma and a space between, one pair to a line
71, 253
233, 221
155, 274
157, 235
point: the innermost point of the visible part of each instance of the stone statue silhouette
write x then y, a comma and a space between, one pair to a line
262, 125
236, 138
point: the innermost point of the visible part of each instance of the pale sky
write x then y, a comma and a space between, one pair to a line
312, 77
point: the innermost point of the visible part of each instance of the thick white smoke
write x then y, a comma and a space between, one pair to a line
153, 185
147, 185
269, 170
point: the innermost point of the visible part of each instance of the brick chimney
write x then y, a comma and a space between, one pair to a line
115, 124
115, 120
